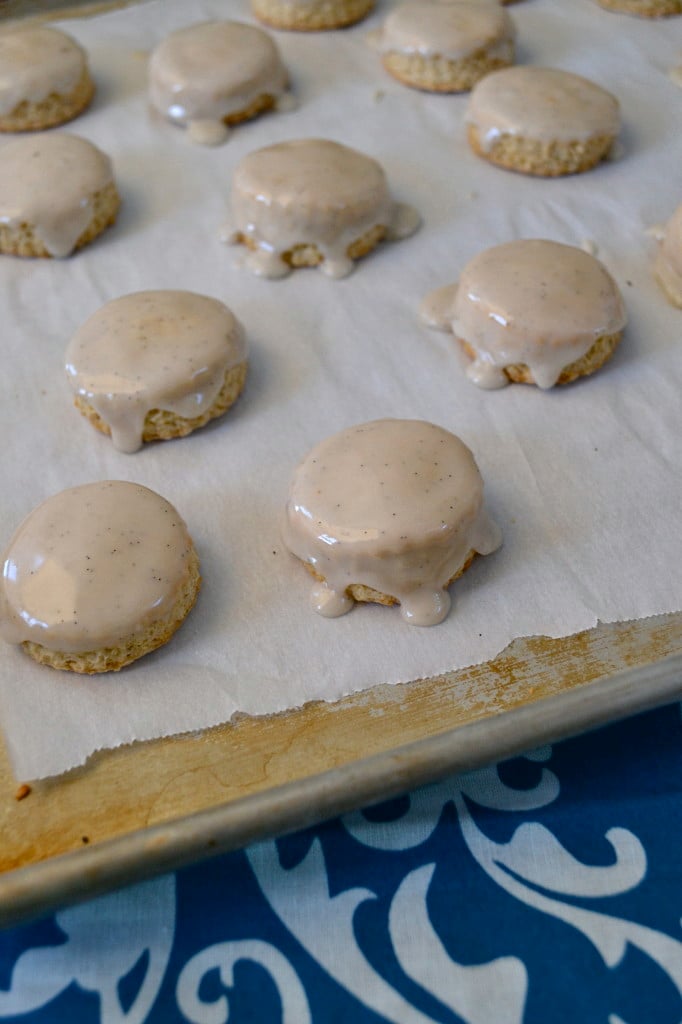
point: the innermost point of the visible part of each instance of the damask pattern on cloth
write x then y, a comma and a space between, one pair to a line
547, 888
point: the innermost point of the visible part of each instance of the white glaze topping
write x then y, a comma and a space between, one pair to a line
396, 505
542, 104
91, 566
534, 302
668, 265
35, 62
454, 30
200, 75
153, 350
311, 191
49, 180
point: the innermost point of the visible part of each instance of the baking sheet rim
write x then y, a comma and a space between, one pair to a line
37, 889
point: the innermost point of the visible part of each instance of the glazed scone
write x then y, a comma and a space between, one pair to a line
97, 576
310, 15
57, 193
445, 47
668, 263
213, 75
533, 312
644, 8
156, 365
541, 121
312, 203
389, 511
44, 78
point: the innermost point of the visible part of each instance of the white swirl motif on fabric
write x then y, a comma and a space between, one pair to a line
609, 935
327, 934
105, 940
492, 993
223, 956
533, 867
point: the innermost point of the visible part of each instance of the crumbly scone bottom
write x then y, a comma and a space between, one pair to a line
594, 358
644, 8
23, 240
361, 592
162, 425
545, 159
129, 649
440, 74
330, 14
53, 110
308, 254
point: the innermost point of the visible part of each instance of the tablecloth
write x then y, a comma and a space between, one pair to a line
544, 889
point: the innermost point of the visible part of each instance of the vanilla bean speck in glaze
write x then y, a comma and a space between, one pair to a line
533, 311
97, 576
388, 511
156, 365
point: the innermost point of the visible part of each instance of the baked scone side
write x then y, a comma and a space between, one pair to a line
328, 14
440, 74
112, 659
644, 8
543, 159
599, 353
307, 254
23, 240
259, 106
162, 425
361, 592
55, 109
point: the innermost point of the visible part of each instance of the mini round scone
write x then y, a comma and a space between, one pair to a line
644, 8
668, 263
541, 121
533, 312
389, 511
310, 15
156, 365
44, 78
215, 74
309, 203
445, 47
57, 193
97, 576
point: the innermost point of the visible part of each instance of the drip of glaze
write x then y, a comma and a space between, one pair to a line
265, 263
404, 223
330, 603
336, 266
436, 309
207, 132
425, 607
486, 375
49, 181
311, 192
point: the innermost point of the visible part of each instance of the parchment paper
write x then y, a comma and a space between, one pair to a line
585, 481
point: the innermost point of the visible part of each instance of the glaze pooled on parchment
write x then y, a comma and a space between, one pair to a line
394, 505
668, 264
201, 75
432, 28
531, 302
92, 565
50, 181
310, 192
150, 350
35, 62
543, 104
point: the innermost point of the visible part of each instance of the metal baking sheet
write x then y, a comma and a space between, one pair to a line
141, 810
150, 807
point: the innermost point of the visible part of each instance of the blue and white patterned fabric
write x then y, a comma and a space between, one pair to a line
546, 889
